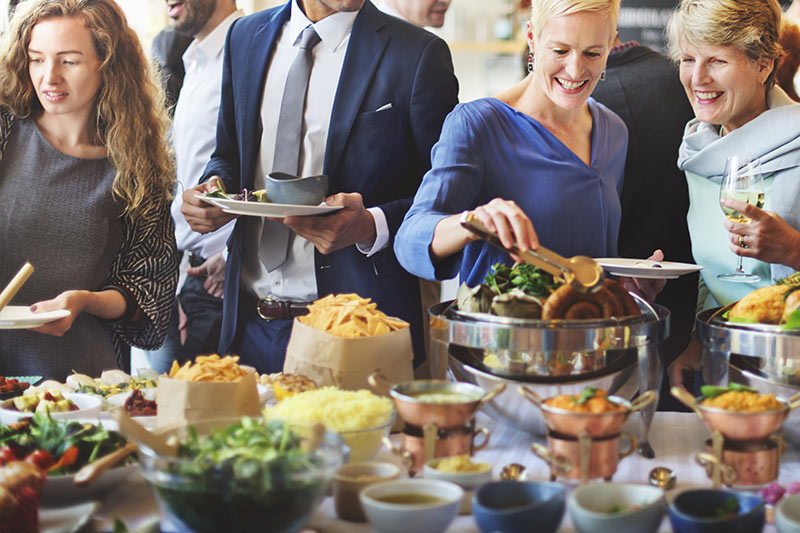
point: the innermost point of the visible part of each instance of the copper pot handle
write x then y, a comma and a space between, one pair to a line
634, 443
486, 434
708, 460
490, 395
531, 396
560, 465
794, 401
405, 455
643, 400
380, 382
687, 399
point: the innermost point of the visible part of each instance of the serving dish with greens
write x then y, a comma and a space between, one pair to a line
242, 475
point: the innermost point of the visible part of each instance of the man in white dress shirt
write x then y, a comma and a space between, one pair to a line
194, 138
376, 97
418, 12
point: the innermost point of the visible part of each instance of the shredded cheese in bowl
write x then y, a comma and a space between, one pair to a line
360, 417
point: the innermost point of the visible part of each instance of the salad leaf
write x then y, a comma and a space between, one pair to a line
711, 391
529, 278
793, 322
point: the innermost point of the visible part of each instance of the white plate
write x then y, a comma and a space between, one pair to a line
21, 317
88, 408
59, 490
266, 209
66, 519
643, 268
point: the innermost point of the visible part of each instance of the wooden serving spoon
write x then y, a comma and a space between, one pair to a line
92, 471
15, 284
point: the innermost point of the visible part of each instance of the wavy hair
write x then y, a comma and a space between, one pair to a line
130, 107
544, 10
752, 26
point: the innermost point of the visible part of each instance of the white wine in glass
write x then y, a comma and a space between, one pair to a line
742, 181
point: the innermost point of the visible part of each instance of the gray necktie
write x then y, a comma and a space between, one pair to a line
289, 142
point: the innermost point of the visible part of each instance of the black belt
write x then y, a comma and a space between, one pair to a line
271, 309
195, 260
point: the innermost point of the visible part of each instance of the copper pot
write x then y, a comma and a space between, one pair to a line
569, 423
744, 463
736, 425
583, 458
443, 415
417, 448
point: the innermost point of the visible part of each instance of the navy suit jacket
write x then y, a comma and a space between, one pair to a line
380, 154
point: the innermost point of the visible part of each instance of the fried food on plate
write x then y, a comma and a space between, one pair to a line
764, 305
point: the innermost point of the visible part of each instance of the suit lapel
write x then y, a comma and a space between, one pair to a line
364, 53
249, 113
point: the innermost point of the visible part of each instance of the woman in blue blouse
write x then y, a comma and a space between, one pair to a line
541, 155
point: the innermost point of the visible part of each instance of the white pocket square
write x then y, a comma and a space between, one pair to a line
383, 107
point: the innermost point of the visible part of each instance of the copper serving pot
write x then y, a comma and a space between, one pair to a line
444, 415
744, 463
584, 457
572, 424
736, 425
419, 447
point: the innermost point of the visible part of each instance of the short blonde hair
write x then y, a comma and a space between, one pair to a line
752, 26
544, 10
130, 112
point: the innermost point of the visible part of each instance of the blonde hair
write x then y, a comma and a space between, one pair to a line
752, 26
130, 111
544, 10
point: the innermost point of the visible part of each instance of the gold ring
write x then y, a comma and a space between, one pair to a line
741, 242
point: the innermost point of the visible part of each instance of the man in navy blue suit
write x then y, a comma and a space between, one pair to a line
375, 100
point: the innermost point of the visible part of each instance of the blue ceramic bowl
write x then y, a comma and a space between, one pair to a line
695, 511
287, 189
514, 506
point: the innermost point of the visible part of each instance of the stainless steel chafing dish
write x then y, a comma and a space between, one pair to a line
621, 356
763, 356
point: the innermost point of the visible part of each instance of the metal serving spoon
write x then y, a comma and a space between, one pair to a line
580, 272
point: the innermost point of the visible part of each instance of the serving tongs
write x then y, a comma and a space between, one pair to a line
579, 272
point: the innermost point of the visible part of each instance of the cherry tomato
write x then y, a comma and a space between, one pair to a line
42, 459
7, 455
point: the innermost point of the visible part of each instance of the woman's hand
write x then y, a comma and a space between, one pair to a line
644, 287
689, 360
504, 217
73, 301
767, 237
108, 304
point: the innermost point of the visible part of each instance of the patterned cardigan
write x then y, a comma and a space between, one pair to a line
146, 266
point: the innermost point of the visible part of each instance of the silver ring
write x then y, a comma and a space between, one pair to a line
741, 242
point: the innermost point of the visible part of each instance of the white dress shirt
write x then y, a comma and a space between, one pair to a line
296, 279
194, 132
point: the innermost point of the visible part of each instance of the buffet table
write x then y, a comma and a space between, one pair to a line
675, 437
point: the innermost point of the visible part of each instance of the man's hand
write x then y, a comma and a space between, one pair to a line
348, 226
689, 360
202, 216
214, 271
767, 237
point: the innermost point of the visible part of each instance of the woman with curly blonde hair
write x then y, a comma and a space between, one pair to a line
85, 187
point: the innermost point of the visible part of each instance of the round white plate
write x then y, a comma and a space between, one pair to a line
60, 490
69, 519
644, 268
21, 317
266, 209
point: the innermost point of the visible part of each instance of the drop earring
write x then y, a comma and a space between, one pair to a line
530, 62
603, 76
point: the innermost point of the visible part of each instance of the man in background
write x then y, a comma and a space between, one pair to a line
643, 88
364, 97
197, 316
418, 12
168, 48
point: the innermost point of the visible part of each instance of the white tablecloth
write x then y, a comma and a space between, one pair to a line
675, 437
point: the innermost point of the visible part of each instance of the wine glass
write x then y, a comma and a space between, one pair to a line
741, 181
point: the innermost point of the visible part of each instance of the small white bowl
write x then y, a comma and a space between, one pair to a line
89, 406
469, 481
642, 508
431, 517
787, 515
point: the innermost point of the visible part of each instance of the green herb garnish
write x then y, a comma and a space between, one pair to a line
793, 322
729, 508
711, 391
530, 279
587, 394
